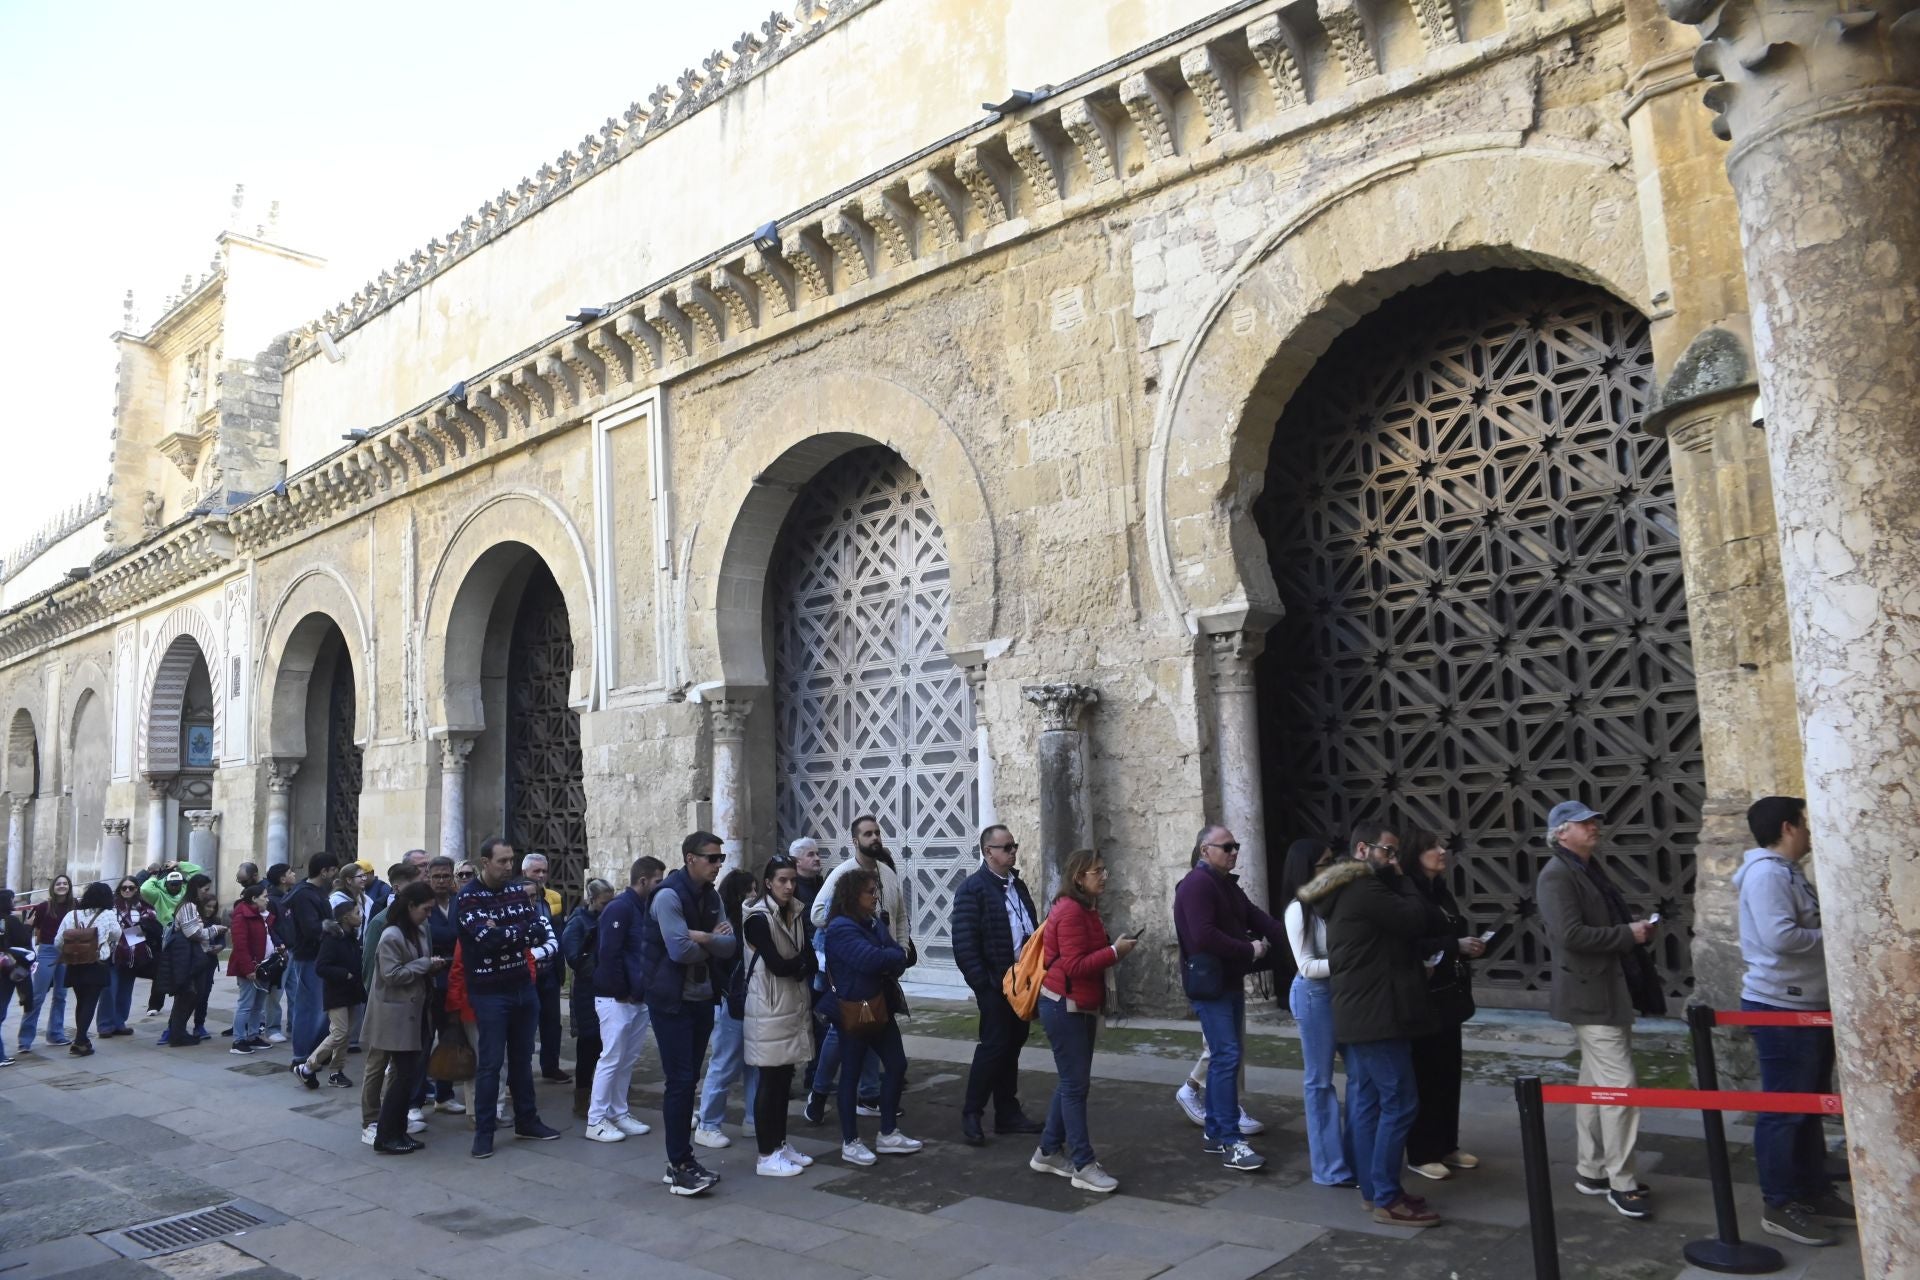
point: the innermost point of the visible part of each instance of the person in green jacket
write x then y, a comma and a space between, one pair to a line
166, 888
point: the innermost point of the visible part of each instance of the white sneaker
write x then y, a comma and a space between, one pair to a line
416, 1126
603, 1132
366, 1135
775, 1166
416, 1115
1193, 1101
794, 1155
628, 1125
711, 1138
856, 1152
274, 1037
453, 1107
862, 1109
897, 1144
1248, 1125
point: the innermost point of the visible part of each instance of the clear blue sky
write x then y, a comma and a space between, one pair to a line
124, 127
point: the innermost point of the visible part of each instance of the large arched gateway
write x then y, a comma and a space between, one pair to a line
873, 716
1478, 558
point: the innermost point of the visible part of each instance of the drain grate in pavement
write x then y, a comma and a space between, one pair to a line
262, 1069
186, 1230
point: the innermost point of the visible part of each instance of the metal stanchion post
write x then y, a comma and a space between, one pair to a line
1539, 1177
1728, 1253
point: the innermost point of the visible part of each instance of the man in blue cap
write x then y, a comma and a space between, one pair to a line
1594, 940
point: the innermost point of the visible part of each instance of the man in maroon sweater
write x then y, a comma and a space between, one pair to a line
1223, 937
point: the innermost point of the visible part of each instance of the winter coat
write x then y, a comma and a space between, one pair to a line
1078, 955
249, 940
106, 924
778, 1023
577, 943
337, 965
1213, 916
679, 970
307, 916
1450, 984
1375, 919
1780, 935
188, 950
863, 960
397, 1000
983, 943
135, 950
1589, 946
618, 971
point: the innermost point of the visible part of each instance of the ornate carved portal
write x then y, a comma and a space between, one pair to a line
546, 793
872, 715
343, 763
1479, 560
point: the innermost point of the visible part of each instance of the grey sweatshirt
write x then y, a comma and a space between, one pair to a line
697, 987
1780, 936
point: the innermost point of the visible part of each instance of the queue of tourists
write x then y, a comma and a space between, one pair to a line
786, 982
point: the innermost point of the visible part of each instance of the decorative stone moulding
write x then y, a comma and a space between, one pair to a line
183, 449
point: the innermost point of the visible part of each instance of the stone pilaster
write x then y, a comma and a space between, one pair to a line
17, 843
983, 746
113, 848
1066, 793
454, 750
1821, 101
1236, 746
280, 809
728, 719
156, 820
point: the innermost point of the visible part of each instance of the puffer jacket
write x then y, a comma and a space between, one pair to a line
1374, 920
1078, 954
863, 960
778, 1026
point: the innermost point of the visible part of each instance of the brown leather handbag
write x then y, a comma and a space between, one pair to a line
860, 1019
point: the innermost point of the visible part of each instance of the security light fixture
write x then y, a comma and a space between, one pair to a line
586, 315
355, 435
280, 490
766, 237
458, 392
1016, 99
330, 348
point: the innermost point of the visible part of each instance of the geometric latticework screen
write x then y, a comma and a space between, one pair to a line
546, 791
1479, 560
873, 717
343, 763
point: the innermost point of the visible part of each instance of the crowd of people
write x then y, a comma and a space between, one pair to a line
786, 982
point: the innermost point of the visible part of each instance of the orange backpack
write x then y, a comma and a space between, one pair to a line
1022, 983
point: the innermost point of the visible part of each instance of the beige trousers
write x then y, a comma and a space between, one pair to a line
1606, 1135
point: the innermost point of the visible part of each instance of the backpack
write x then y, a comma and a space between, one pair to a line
1021, 985
81, 946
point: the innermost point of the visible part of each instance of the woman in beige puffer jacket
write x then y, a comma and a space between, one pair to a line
778, 1026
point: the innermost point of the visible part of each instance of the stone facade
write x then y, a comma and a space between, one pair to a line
1077, 321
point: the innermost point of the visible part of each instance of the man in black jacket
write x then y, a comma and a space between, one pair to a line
304, 917
1374, 916
992, 916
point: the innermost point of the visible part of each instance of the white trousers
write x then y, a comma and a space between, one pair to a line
1606, 1135
623, 1029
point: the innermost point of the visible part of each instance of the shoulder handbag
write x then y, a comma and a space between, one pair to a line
1202, 978
452, 1058
1021, 984
270, 971
859, 1019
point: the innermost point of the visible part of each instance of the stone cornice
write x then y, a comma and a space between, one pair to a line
1006, 180
73, 519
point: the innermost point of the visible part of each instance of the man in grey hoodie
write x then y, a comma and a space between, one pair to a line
1781, 941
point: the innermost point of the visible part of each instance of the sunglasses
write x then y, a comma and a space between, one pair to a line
1011, 846
1232, 847
781, 862
467, 875
711, 859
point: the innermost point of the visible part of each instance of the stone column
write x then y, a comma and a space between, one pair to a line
1236, 746
280, 810
17, 843
1066, 795
982, 747
203, 842
113, 848
156, 821
728, 719
454, 750
1821, 100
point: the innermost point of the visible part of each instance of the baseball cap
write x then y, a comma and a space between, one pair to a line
174, 877
1570, 811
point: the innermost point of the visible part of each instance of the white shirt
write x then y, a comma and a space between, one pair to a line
1019, 923
1309, 942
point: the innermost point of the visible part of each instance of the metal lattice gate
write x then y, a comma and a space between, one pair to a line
873, 717
343, 763
1479, 559
546, 793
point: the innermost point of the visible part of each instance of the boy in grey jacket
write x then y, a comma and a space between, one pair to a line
1781, 941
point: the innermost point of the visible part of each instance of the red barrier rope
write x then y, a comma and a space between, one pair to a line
1765, 1018
1819, 1104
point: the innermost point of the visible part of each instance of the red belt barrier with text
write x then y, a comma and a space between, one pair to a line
1771, 1018
1820, 1104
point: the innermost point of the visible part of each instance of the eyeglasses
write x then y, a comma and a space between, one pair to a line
1229, 847
1385, 848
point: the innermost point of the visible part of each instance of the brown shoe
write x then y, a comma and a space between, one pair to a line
1405, 1213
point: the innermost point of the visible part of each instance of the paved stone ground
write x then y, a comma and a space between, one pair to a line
137, 1132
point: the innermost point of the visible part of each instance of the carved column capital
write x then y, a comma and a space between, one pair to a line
280, 775
1234, 655
1060, 704
1780, 61
157, 786
729, 717
18, 804
115, 828
203, 819
454, 750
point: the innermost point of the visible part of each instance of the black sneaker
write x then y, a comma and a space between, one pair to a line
1831, 1209
1630, 1204
482, 1146
1796, 1222
688, 1179
815, 1112
339, 1080
536, 1132
1210, 1147
242, 1047
1601, 1187
311, 1079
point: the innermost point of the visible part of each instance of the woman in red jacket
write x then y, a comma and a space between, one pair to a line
1078, 955
250, 946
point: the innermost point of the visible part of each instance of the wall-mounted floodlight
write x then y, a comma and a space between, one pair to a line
766, 237
1016, 99
330, 349
458, 392
586, 315
355, 435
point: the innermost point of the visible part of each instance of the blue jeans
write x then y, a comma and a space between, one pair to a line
1071, 1035
725, 1065
1791, 1150
1328, 1145
892, 1056
48, 972
827, 1073
248, 1011
1223, 1022
1382, 1101
116, 1005
306, 1010
275, 994
682, 1035
505, 1024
